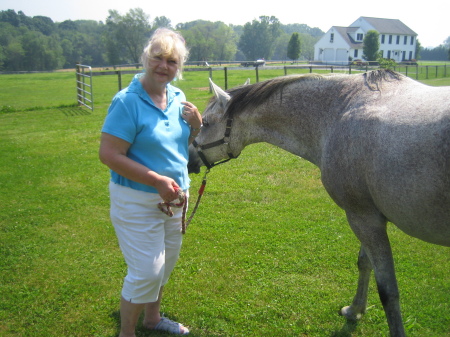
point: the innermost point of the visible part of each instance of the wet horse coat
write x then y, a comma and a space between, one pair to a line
381, 141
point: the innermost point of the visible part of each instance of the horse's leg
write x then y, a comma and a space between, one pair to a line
371, 231
358, 306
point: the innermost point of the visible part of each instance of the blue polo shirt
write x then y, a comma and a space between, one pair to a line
159, 139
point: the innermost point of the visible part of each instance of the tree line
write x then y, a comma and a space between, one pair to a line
39, 43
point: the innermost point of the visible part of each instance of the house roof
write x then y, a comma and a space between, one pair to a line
345, 33
389, 26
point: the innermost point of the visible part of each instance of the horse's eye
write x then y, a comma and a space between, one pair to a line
205, 122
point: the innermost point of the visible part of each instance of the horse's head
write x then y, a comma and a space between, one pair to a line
214, 142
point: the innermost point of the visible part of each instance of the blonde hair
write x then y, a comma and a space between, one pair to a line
168, 43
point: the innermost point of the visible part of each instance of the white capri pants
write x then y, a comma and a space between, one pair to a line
149, 239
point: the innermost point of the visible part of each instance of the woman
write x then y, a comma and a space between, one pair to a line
144, 142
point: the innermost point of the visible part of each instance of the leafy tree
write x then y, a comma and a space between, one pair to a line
2, 57
14, 55
209, 40
131, 31
439, 53
258, 37
418, 50
161, 21
302, 28
10, 16
371, 45
226, 42
308, 43
200, 39
308, 37
280, 47
41, 52
294, 47
68, 25
44, 24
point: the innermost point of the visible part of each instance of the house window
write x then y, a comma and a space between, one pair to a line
359, 37
389, 54
410, 55
355, 54
405, 40
331, 37
382, 38
412, 40
398, 39
390, 39
381, 53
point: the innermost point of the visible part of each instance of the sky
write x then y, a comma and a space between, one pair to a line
428, 19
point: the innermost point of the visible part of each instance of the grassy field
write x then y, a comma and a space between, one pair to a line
268, 253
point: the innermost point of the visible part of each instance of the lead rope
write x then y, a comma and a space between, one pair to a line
184, 223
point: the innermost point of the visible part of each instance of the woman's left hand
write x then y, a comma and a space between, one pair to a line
191, 115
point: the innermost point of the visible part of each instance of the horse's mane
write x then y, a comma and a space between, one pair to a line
376, 77
251, 96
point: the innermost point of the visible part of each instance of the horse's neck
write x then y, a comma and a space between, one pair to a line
293, 124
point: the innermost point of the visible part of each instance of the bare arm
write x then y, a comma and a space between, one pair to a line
113, 153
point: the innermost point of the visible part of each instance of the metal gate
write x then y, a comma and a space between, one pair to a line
85, 95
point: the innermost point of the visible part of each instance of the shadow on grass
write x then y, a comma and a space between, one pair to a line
141, 331
75, 111
347, 329
116, 318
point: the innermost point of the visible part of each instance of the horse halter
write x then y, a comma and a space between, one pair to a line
224, 141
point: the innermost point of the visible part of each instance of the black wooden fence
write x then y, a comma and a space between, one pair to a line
414, 71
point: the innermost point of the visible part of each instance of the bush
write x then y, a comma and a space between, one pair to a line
386, 63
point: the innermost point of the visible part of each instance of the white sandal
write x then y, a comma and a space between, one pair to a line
168, 325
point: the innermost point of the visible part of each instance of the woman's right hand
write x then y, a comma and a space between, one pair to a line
167, 188
113, 153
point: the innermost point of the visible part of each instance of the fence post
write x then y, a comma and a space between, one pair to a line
417, 71
226, 77
119, 79
257, 74
285, 70
211, 77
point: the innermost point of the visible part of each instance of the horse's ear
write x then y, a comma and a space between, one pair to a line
221, 95
247, 82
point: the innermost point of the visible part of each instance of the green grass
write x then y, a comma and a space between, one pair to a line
267, 254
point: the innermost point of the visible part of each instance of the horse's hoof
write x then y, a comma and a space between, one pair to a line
348, 313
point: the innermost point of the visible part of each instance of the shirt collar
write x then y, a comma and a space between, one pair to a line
136, 87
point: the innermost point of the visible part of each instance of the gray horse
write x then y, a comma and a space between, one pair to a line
381, 141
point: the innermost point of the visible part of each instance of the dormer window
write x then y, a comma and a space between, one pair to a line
359, 37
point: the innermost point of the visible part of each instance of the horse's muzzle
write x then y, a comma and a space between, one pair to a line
195, 161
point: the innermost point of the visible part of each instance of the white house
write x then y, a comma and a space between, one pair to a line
340, 45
